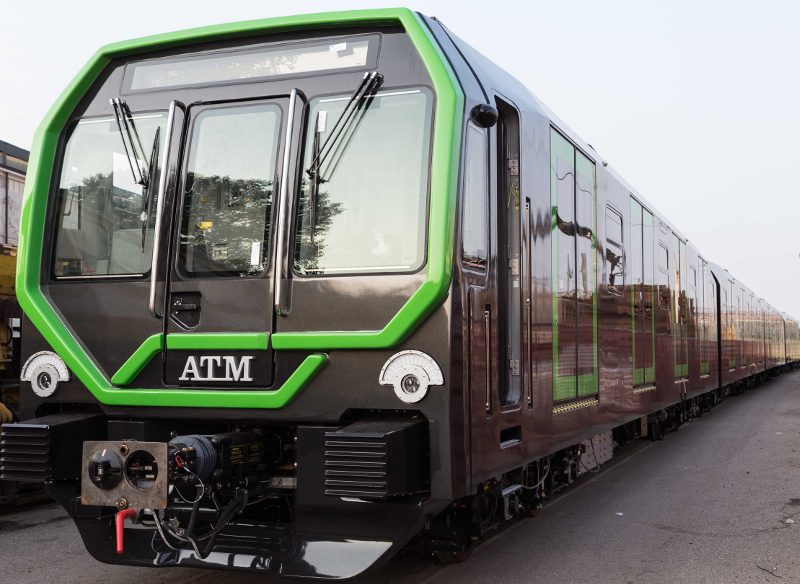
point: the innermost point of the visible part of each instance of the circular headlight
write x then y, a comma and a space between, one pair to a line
411, 373
44, 370
410, 384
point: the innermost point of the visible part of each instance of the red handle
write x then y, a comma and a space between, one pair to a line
121, 525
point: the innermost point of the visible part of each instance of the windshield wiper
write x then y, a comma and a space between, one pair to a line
122, 113
142, 177
369, 82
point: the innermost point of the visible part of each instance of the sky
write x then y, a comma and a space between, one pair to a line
695, 103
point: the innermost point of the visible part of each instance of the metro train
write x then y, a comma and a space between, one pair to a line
303, 292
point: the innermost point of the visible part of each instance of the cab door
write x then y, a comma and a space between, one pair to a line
219, 297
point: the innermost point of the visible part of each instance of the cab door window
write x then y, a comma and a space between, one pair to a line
475, 213
229, 191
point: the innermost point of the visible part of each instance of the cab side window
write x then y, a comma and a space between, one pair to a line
475, 206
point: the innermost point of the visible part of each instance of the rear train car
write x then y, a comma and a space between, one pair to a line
302, 292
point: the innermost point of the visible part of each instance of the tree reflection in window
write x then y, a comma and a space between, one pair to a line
229, 187
614, 257
98, 217
227, 222
371, 201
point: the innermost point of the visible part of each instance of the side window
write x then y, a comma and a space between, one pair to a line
99, 226
663, 277
366, 209
475, 213
614, 257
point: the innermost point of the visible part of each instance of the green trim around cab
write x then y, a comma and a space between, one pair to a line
153, 345
448, 117
205, 398
229, 341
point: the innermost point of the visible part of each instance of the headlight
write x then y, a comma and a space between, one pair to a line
45, 370
411, 373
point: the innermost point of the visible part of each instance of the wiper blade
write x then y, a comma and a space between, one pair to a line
122, 114
312, 196
147, 190
370, 82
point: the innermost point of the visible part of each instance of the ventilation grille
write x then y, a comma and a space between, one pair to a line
355, 466
25, 452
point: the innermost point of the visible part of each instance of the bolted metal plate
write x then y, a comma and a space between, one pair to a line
126, 495
599, 449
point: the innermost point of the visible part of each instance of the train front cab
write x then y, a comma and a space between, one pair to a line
237, 250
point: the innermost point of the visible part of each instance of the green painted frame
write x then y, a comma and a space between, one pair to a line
448, 117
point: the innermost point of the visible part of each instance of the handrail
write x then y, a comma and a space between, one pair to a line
282, 221
162, 191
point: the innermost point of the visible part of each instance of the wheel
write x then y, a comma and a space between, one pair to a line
655, 431
532, 512
444, 558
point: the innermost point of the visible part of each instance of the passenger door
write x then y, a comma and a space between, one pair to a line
573, 197
220, 292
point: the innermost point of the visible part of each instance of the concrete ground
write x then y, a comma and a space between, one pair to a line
709, 504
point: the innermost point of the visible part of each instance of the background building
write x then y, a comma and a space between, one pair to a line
13, 166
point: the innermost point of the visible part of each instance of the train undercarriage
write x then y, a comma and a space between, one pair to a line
287, 499
453, 535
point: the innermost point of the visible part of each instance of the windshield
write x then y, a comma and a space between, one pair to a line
370, 206
98, 221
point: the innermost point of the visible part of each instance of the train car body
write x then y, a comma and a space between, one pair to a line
303, 291
791, 330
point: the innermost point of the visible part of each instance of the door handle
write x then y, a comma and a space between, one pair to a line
178, 306
487, 330
162, 191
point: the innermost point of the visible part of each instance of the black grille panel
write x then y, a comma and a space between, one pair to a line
25, 452
356, 467
373, 459
47, 448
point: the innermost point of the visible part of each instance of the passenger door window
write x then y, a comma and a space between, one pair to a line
680, 308
614, 254
663, 277
643, 324
573, 240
